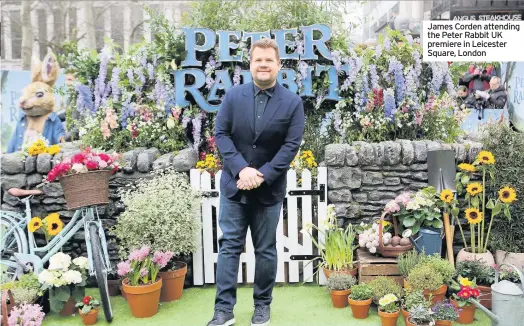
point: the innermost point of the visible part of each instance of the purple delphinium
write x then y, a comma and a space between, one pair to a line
438, 71
337, 60
337, 122
373, 76
115, 78
236, 75
412, 85
418, 64
84, 99
100, 83
387, 44
160, 92
151, 71
197, 129
396, 68
128, 110
389, 103
378, 51
130, 76
302, 72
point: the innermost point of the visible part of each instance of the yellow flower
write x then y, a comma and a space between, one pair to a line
52, 217
486, 157
446, 195
507, 195
54, 149
200, 164
474, 188
54, 227
473, 215
467, 167
39, 143
464, 281
35, 224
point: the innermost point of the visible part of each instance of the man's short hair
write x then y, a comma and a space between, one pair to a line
462, 88
265, 43
495, 79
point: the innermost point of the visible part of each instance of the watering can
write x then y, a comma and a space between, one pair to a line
429, 240
507, 301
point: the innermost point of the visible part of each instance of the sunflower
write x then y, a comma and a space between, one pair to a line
486, 157
474, 188
52, 217
473, 215
54, 227
446, 196
467, 167
507, 195
35, 224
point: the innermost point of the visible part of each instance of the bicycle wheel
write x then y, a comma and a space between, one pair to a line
100, 273
11, 244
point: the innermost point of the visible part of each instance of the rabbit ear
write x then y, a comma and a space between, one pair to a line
36, 69
50, 69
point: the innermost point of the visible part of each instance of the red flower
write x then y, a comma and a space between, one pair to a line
78, 158
51, 176
104, 157
464, 294
86, 299
115, 169
474, 292
91, 165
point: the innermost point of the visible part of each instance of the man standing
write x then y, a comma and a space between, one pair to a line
258, 131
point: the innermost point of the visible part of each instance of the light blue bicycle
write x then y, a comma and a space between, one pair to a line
19, 249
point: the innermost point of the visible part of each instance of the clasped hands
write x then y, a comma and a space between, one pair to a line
250, 178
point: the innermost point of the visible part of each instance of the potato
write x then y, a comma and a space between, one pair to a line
395, 240
405, 242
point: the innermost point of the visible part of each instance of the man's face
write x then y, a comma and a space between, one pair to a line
264, 66
494, 84
462, 93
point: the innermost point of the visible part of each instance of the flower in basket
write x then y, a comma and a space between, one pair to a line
389, 303
83, 162
477, 197
140, 268
64, 278
25, 315
369, 238
87, 304
51, 225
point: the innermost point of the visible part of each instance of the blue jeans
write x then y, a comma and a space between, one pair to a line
234, 219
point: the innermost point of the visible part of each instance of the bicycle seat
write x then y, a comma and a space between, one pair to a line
17, 192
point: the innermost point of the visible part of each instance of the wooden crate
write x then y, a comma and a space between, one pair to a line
371, 266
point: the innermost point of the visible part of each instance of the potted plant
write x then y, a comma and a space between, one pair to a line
338, 246
445, 313
85, 173
26, 314
420, 316
360, 300
407, 261
66, 280
141, 282
160, 213
383, 285
88, 308
339, 286
478, 206
411, 300
467, 290
26, 289
388, 309
113, 284
483, 275
425, 279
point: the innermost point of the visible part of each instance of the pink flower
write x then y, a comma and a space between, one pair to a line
78, 167
403, 198
176, 113
162, 258
140, 254
104, 127
123, 268
102, 164
392, 207
104, 157
78, 158
91, 165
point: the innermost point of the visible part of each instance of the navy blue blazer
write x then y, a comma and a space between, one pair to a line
271, 152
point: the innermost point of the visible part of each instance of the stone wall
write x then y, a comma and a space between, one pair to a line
20, 172
363, 177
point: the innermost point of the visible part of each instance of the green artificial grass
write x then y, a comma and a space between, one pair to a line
304, 305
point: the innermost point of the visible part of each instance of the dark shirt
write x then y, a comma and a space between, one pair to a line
261, 99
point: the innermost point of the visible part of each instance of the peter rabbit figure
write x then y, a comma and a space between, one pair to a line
37, 103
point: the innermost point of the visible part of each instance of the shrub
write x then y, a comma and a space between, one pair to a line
423, 277
407, 261
420, 315
415, 298
383, 285
441, 266
361, 292
338, 282
475, 269
160, 213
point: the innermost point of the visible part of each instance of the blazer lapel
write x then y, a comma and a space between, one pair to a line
271, 108
249, 107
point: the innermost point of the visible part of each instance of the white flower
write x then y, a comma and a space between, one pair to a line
59, 261
72, 277
46, 277
102, 164
373, 250
78, 167
81, 262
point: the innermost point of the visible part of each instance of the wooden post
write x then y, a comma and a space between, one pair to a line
449, 239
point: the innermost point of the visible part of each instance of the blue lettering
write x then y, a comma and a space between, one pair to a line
181, 88
280, 38
225, 45
255, 36
309, 42
222, 82
192, 47
287, 77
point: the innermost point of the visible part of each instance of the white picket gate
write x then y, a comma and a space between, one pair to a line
290, 241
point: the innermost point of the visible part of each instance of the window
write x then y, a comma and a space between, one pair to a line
99, 27
117, 25
16, 34
42, 32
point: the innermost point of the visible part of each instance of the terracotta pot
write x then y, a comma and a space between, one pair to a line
173, 283
69, 307
408, 323
340, 298
467, 313
388, 319
360, 308
487, 257
513, 258
485, 295
113, 287
405, 314
437, 295
121, 291
352, 272
443, 323
143, 299
90, 317
406, 284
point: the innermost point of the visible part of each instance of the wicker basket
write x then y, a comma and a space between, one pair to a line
390, 251
86, 189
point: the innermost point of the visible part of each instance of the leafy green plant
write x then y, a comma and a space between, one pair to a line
407, 261
383, 285
445, 311
420, 315
388, 303
339, 282
476, 270
160, 213
423, 277
361, 292
414, 299
87, 304
25, 294
439, 265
